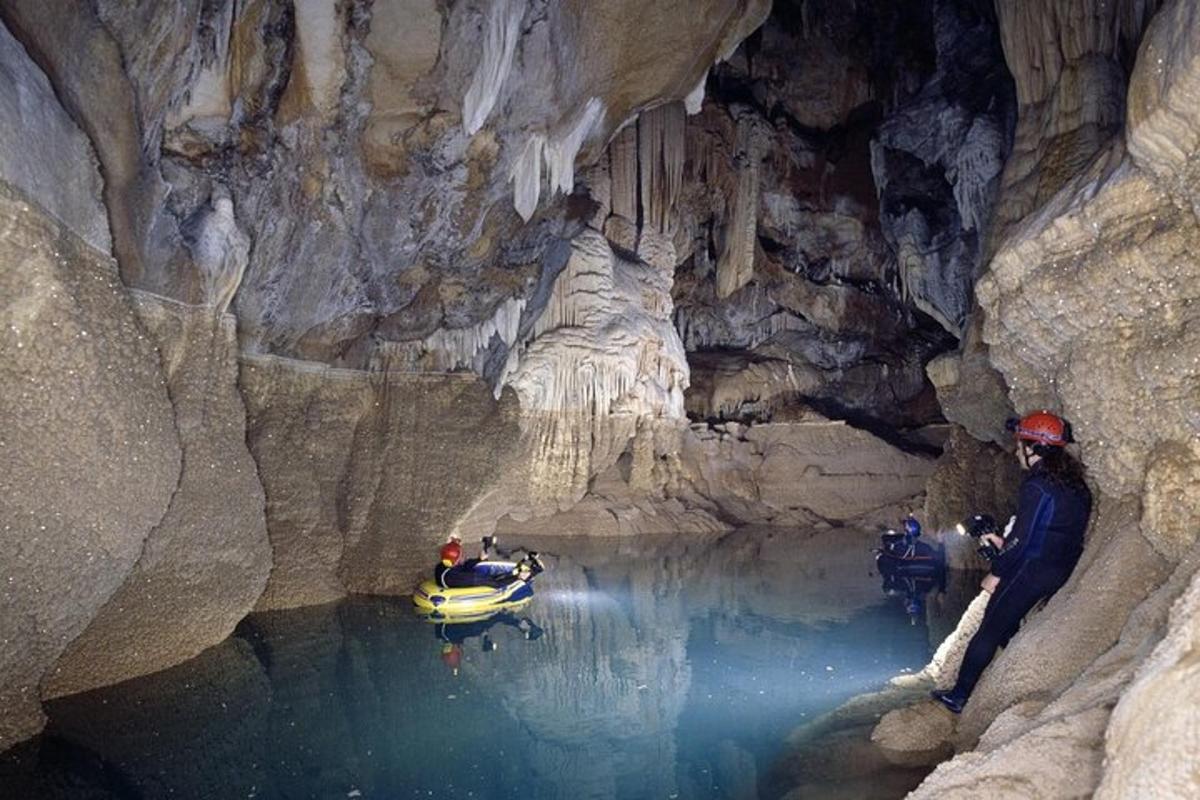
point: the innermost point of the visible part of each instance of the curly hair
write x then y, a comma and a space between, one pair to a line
1061, 467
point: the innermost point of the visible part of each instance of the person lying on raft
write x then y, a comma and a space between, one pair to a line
452, 572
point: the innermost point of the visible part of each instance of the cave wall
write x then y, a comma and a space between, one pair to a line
286, 246
440, 324
836, 194
1089, 309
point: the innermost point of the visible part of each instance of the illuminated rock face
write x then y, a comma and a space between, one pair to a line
1089, 308
86, 418
207, 560
375, 156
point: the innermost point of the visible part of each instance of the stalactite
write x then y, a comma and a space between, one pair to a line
501, 32
695, 98
736, 265
562, 149
447, 349
660, 164
624, 169
526, 176
559, 153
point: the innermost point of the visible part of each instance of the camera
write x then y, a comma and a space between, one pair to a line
976, 526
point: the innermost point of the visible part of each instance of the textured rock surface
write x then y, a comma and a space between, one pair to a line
365, 474
970, 391
382, 141
205, 564
45, 156
85, 419
1089, 308
1070, 61
874, 188
1152, 739
788, 473
971, 477
937, 162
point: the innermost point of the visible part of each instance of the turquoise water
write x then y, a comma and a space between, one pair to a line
674, 669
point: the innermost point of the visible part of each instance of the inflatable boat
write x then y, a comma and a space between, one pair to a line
478, 601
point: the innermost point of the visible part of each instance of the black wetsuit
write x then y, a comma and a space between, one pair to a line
463, 575
1038, 557
458, 633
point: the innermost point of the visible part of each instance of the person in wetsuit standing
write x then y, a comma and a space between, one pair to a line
1038, 555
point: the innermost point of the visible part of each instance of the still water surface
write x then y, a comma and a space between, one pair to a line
674, 669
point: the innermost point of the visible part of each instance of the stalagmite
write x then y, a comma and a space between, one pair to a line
502, 30
221, 252
604, 343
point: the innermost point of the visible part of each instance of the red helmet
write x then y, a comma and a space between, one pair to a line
451, 553
452, 656
1041, 427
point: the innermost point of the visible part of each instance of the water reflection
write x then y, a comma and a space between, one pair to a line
672, 670
913, 589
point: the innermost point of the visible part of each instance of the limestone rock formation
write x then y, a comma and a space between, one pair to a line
92, 456
204, 565
789, 473
377, 140
937, 162
45, 156
874, 190
1151, 740
1089, 309
972, 477
1070, 62
364, 474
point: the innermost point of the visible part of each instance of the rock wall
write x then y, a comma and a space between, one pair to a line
92, 457
205, 563
836, 192
1089, 309
804, 472
364, 474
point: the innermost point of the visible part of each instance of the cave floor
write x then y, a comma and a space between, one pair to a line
669, 667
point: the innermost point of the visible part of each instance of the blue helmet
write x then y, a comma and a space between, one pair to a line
911, 526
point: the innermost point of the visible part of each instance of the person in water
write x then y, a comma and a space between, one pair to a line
452, 572
1038, 555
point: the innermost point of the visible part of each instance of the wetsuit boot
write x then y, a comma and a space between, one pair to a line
949, 699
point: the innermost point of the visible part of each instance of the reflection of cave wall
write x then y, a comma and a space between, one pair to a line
856, 189
355, 695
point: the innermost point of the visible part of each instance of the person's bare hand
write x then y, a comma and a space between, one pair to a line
990, 582
994, 539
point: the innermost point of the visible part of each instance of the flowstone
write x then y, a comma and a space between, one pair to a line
91, 453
